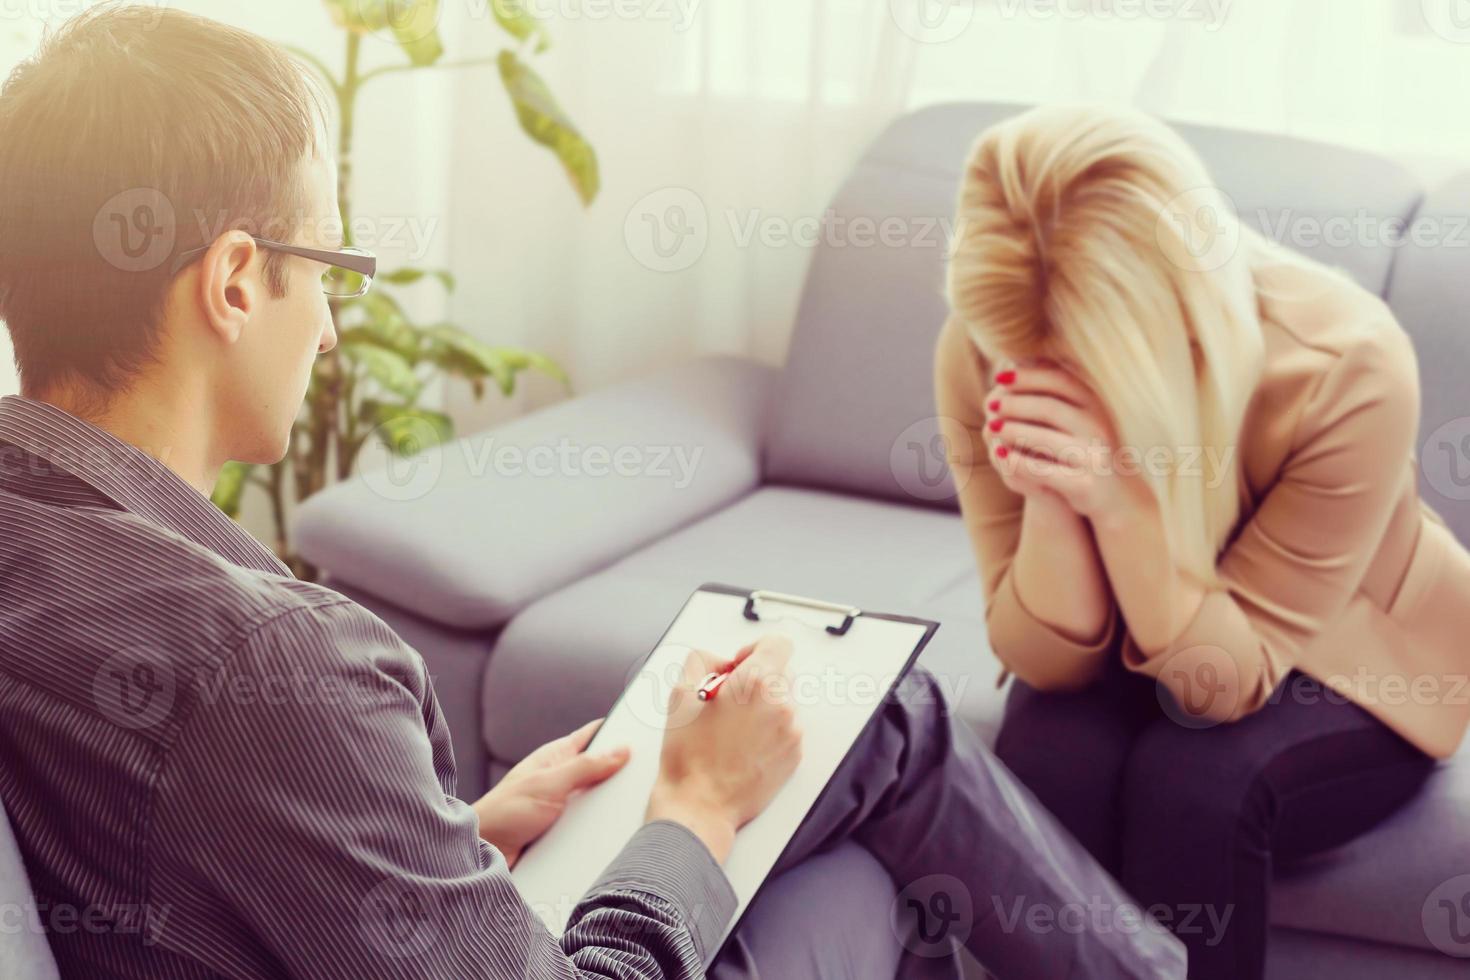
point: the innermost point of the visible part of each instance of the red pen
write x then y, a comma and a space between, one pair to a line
711, 684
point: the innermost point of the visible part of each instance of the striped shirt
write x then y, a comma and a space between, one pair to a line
214, 769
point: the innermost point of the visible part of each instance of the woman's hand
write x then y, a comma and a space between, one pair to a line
530, 798
1049, 434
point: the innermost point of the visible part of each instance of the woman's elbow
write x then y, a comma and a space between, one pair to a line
1051, 672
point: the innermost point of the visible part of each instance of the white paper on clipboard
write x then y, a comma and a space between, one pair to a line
838, 683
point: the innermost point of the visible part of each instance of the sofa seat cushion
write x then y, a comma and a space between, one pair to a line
1390, 885
564, 660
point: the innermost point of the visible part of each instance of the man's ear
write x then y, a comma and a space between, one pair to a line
228, 291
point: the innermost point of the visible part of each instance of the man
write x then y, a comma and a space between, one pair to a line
230, 772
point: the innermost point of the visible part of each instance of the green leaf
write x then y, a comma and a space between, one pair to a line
520, 23
362, 16
407, 277
229, 489
460, 353
471, 357
414, 24
359, 336
417, 31
548, 367
407, 431
382, 323
387, 368
543, 120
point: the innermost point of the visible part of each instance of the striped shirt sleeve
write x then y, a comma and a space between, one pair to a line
309, 800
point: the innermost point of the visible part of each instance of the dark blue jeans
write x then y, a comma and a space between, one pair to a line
1193, 820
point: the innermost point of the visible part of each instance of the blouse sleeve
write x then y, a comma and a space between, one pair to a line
1031, 649
1296, 563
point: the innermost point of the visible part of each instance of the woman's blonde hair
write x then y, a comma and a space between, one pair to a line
1095, 237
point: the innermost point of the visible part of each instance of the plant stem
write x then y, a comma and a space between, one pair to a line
462, 63
337, 389
309, 465
347, 439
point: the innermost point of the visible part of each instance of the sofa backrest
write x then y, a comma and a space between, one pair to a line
854, 409
1430, 294
24, 953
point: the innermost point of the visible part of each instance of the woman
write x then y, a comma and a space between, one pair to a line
1186, 461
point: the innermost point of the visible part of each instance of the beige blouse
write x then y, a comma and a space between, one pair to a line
1336, 567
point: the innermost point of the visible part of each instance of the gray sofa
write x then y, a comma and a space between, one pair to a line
531, 596
24, 954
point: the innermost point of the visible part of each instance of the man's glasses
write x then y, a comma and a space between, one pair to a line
351, 273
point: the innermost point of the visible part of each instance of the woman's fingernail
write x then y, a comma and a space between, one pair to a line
1006, 378
997, 424
1002, 451
995, 405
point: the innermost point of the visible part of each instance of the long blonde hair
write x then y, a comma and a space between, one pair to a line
1095, 236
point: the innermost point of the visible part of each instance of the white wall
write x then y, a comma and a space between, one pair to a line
754, 110
758, 107
8, 383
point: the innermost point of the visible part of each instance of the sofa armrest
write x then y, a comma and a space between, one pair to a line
469, 533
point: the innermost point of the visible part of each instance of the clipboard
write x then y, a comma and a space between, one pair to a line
845, 664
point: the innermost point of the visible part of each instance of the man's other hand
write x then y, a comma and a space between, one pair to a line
530, 798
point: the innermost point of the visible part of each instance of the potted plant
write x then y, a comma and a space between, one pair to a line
368, 388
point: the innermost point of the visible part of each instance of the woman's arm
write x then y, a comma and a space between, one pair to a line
1048, 610
1295, 565
1057, 571
1290, 570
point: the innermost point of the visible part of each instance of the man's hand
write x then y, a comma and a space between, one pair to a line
525, 804
723, 760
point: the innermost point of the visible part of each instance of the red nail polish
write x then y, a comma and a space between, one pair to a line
995, 405
997, 424
1006, 378
1002, 451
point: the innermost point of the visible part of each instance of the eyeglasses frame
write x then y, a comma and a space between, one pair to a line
357, 260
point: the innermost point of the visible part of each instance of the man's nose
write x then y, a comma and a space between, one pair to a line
329, 338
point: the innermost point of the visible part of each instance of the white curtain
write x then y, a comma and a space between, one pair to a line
724, 126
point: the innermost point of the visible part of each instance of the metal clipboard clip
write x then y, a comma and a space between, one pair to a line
849, 613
